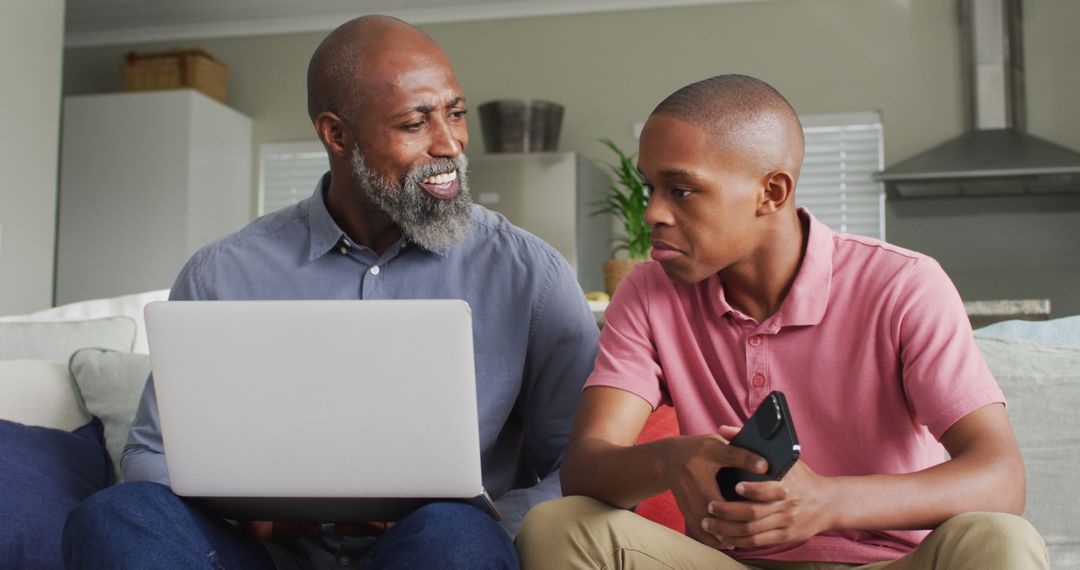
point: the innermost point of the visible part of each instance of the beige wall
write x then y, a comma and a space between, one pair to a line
899, 57
31, 33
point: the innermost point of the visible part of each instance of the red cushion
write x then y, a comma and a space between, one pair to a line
662, 508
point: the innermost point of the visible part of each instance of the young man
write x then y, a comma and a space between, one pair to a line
391, 220
869, 342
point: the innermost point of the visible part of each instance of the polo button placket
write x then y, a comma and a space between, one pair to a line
758, 380
755, 341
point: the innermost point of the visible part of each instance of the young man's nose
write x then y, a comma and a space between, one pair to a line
657, 212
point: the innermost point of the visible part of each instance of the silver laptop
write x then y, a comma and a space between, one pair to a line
325, 411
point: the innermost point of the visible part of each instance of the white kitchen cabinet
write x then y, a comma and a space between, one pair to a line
146, 178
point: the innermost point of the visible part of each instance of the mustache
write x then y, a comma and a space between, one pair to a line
438, 166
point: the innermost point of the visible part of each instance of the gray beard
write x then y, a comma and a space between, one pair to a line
426, 221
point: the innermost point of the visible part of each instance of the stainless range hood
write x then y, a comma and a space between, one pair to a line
995, 157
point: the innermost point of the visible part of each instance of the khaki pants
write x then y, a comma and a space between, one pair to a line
583, 533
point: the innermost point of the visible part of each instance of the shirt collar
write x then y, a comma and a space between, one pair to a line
325, 233
327, 236
808, 297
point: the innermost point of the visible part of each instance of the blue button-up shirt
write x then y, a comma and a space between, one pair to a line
533, 334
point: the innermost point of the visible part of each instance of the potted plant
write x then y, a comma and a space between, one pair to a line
626, 200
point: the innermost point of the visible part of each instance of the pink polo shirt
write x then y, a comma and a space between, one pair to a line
872, 348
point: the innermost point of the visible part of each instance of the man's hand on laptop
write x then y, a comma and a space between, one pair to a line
281, 531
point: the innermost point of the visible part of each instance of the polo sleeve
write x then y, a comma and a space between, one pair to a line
944, 375
628, 359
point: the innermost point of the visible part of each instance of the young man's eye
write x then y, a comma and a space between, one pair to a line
649, 190
681, 192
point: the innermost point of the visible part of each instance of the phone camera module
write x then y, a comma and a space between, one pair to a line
769, 423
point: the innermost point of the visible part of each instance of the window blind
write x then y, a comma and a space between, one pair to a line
843, 151
288, 173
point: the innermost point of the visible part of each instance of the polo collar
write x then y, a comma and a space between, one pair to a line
808, 297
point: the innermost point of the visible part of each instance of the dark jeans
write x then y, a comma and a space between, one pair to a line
144, 525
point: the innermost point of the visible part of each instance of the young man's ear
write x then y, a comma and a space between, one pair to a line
779, 190
334, 134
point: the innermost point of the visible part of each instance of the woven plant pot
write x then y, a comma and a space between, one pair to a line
615, 270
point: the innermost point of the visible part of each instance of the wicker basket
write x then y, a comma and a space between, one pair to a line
176, 69
615, 270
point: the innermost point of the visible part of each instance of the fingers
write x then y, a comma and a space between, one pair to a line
774, 531
727, 432
262, 530
762, 491
730, 456
716, 540
281, 531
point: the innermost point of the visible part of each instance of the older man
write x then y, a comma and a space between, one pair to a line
391, 220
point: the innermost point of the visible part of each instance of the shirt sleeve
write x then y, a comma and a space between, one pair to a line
945, 376
144, 454
627, 357
559, 357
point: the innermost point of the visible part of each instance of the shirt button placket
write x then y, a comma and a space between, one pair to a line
373, 283
756, 366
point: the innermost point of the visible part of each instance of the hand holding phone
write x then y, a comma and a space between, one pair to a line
769, 433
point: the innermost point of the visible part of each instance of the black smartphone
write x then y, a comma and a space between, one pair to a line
769, 433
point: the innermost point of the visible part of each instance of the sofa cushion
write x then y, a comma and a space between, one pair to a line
662, 508
38, 393
57, 340
46, 473
1064, 331
126, 305
110, 384
1042, 386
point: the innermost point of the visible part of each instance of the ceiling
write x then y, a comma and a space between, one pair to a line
106, 22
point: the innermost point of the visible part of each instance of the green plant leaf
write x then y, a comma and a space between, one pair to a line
626, 200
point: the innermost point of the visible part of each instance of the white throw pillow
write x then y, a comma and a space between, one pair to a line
110, 385
39, 393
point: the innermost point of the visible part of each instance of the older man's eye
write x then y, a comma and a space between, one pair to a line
413, 126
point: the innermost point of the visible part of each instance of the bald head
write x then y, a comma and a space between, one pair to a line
338, 74
742, 114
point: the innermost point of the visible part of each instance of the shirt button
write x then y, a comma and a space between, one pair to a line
755, 340
345, 560
374, 269
758, 380
344, 250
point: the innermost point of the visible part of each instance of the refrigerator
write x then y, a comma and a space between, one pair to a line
550, 195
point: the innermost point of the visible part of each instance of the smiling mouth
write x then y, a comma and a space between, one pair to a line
443, 186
